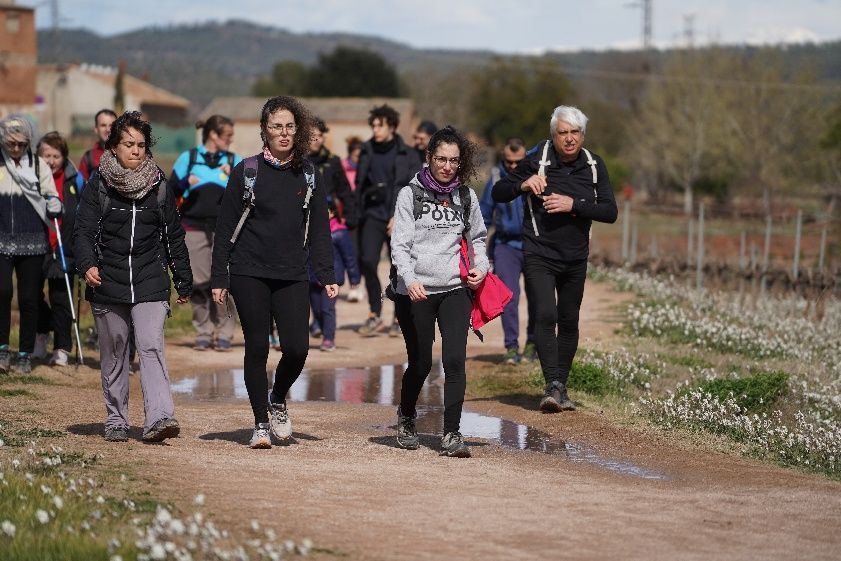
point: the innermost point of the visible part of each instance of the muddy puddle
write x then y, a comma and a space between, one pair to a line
381, 385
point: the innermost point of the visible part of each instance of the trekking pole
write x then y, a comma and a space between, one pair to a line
79, 356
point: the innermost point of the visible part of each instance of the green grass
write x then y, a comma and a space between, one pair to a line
755, 393
689, 361
26, 380
12, 393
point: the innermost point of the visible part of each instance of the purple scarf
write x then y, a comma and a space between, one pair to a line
429, 182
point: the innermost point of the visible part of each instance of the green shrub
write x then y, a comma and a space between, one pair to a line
754, 393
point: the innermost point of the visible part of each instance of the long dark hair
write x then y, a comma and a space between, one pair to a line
303, 123
214, 123
467, 150
131, 120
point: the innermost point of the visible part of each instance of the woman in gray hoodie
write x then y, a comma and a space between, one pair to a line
429, 223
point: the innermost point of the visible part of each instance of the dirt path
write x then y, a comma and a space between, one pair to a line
344, 485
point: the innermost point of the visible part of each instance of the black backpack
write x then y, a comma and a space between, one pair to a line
420, 196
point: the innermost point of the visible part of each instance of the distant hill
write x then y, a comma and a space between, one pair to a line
203, 61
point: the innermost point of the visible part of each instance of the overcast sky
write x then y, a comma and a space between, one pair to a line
502, 26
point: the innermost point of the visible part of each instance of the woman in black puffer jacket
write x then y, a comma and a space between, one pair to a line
127, 235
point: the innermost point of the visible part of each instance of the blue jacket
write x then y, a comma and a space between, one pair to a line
507, 218
200, 201
344, 259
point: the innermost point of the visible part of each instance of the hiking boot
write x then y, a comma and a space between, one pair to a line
529, 352
201, 345
5, 359
40, 350
370, 327
353, 295
407, 434
260, 438
511, 356
279, 422
222, 345
394, 330
328, 345
453, 445
160, 431
315, 330
93, 338
23, 364
116, 434
555, 399
60, 358
274, 342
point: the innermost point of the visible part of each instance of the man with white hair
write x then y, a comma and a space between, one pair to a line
566, 187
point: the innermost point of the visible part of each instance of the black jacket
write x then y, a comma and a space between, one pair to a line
271, 243
132, 245
563, 236
376, 201
336, 184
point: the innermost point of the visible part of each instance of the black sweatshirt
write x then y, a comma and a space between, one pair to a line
271, 243
563, 236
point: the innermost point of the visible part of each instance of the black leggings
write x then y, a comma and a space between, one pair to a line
372, 236
417, 321
547, 280
56, 315
259, 301
30, 277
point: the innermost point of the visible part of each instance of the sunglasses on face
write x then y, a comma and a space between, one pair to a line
15, 144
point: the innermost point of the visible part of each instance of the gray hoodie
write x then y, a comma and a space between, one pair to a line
427, 250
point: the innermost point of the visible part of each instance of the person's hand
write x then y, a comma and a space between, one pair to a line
536, 184
226, 169
417, 292
92, 277
219, 295
193, 179
332, 290
474, 278
54, 208
182, 299
557, 203
389, 226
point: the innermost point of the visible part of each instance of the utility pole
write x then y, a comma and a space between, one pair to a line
689, 30
647, 8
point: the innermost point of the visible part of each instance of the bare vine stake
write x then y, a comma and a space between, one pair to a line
799, 228
699, 271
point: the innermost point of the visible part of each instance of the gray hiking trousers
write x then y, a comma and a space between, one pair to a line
113, 322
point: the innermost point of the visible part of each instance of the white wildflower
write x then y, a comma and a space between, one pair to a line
42, 516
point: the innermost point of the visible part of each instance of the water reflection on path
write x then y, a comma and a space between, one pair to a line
381, 385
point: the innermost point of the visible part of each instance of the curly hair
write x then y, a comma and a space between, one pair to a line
386, 113
303, 122
467, 151
131, 120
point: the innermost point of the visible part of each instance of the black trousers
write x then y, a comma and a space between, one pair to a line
56, 315
259, 301
417, 321
557, 288
30, 282
372, 236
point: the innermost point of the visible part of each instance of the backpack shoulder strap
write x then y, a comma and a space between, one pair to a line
36, 163
592, 163
88, 158
418, 197
309, 174
194, 156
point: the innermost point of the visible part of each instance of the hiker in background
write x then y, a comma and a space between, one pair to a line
127, 236
273, 216
506, 251
349, 164
336, 185
386, 165
344, 260
428, 286
28, 203
102, 122
198, 179
421, 137
57, 316
566, 188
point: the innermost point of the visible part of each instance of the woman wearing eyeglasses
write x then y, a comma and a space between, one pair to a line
260, 256
566, 188
28, 203
128, 239
429, 222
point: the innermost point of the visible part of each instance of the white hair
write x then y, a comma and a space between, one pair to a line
568, 114
17, 125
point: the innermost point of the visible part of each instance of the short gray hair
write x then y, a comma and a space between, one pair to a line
568, 114
16, 124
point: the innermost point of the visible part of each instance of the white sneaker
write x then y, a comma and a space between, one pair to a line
279, 421
260, 438
60, 358
40, 352
353, 295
